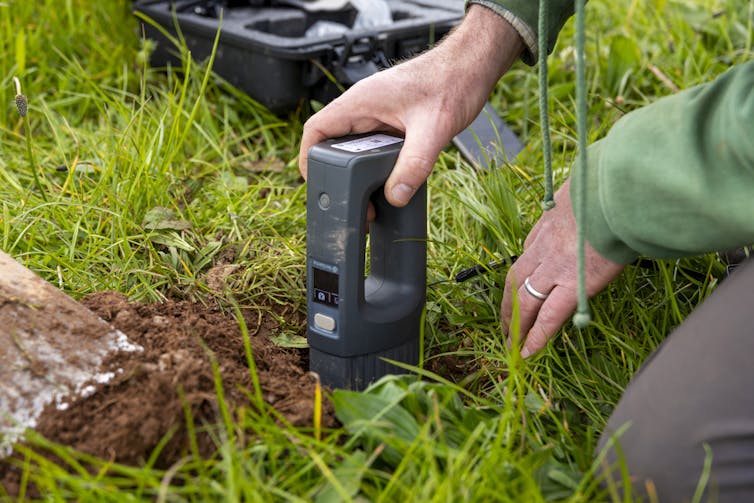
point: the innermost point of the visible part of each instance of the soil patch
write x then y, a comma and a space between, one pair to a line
125, 418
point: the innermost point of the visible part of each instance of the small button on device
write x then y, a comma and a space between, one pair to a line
324, 322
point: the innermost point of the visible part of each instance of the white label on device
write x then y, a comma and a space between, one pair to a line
367, 143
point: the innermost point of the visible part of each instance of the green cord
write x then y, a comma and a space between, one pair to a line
582, 317
544, 117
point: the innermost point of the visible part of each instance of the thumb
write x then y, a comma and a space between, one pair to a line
414, 164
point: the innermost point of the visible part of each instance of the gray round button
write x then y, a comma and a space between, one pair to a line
324, 200
324, 322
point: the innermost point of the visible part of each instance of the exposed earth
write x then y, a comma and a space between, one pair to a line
126, 418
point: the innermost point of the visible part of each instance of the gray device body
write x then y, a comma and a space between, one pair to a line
355, 320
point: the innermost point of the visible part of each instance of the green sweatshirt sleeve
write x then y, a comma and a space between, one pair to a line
676, 178
524, 15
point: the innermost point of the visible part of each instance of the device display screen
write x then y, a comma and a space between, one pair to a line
325, 287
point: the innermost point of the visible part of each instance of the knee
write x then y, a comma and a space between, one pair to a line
712, 461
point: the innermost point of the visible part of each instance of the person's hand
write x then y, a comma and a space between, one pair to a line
549, 265
428, 99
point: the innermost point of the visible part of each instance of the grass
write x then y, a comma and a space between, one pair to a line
145, 178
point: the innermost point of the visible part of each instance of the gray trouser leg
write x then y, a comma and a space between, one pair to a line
696, 390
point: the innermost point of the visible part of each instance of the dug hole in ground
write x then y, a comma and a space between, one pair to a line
124, 419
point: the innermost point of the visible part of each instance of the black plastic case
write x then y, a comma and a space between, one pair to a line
264, 51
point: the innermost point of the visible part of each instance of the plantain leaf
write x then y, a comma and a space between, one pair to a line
159, 218
623, 58
349, 474
360, 411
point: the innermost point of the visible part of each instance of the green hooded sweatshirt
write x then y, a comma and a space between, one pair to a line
674, 178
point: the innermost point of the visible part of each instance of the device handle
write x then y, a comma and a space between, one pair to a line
397, 262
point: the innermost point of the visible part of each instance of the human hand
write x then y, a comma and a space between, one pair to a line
549, 263
428, 99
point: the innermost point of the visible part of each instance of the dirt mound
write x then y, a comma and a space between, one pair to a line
125, 418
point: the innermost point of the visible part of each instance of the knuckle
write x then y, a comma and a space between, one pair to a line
419, 165
512, 277
528, 306
310, 127
547, 318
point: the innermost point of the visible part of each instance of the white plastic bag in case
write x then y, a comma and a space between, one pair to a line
372, 13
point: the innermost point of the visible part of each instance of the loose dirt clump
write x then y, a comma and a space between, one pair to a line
125, 418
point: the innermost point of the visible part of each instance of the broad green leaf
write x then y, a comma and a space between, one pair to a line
159, 218
289, 340
623, 58
534, 403
234, 183
358, 411
349, 473
172, 239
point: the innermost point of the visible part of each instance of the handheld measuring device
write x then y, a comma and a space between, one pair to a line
356, 318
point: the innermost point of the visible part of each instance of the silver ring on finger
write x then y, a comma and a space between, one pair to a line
533, 291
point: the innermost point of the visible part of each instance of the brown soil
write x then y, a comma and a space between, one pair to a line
125, 419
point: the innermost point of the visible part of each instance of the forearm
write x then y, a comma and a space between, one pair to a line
675, 178
479, 51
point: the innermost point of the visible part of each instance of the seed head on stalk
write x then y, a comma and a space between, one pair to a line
21, 102
23, 107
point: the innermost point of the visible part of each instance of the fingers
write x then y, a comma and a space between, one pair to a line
549, 262
518, 272
529, 305
415, 162
553, 313
422, 145
538, 319
317, 129
345, 115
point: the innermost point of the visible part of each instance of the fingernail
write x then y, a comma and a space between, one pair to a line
525, 353
402, 193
